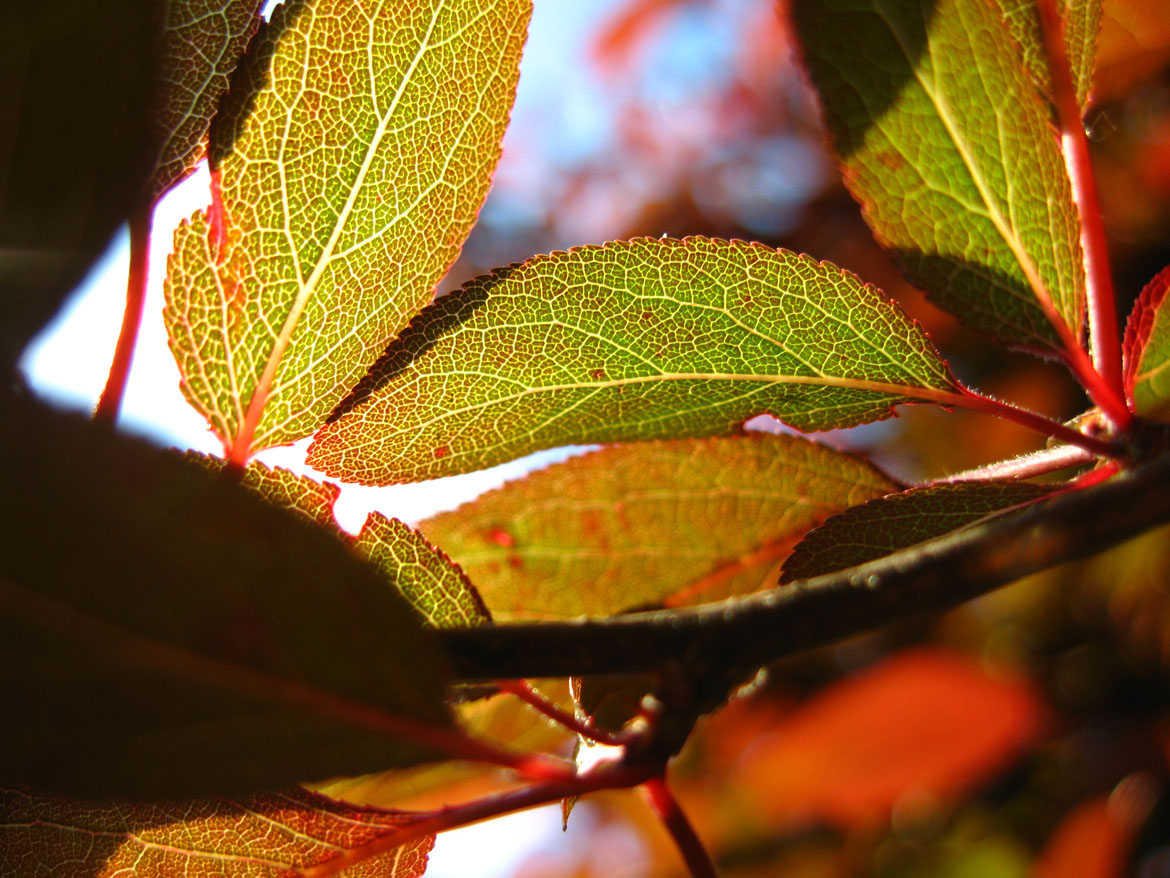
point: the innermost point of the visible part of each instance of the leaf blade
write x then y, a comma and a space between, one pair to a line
1146, 350
320, 245
263, 836
201, 44
641, 524
884, 525
947, 146
632, 340
436, 586
191, 639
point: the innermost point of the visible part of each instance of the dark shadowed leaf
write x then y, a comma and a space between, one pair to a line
201, 44
348, 167
629, 526
883, 526
642, 339
948, 146
1147, 350
431, 581
267, 835
165, 632
75, 145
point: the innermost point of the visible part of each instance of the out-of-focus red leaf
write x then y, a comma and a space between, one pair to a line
261, 836
1094, 839
924, 725
627, 31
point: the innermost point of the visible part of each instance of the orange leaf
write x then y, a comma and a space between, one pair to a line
268, 834
923, 724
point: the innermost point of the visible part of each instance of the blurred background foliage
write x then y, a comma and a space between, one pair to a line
1026, 734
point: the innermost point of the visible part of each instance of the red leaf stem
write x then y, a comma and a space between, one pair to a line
111, 398
585, 728
978, 402
689, 844
1104, 341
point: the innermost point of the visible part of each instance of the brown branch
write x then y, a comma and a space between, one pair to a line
752, 631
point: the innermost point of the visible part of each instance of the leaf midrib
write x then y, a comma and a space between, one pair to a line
243, 441
943, 397
1002, 226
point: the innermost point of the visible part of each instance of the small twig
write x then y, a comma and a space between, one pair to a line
751, 631
1103, 332
1026, 466
585, 728
111, 399
689, 844
606, 776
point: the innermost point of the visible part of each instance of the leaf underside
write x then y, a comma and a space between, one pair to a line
267, 835
1082, 21
202, 42
1147, 350
885, 525
633, 340
947, 144
172, 634
425, 576
348, 167
283, 488
644, 524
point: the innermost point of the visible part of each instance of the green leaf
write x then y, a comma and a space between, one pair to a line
643, 524
1082, 20
267, 835
631, 340
947, 144
1147, 350
166, 632
432, 582
203, 41
284, 489
347, 169
75, 146
883, 526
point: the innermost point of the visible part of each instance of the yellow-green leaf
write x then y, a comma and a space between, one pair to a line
436, 586
202, 42
348, 167
268, 835
632, 340
167, 633
1082, 21
947, 143
284, 489
649, 523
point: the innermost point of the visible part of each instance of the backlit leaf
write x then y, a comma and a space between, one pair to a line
1082, 21
672, 522
921, 723
268, 835
431, 581
284, 489
948, 146
202, 43
1147, 350
166, 632
883, 526
637, 339
357, 148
